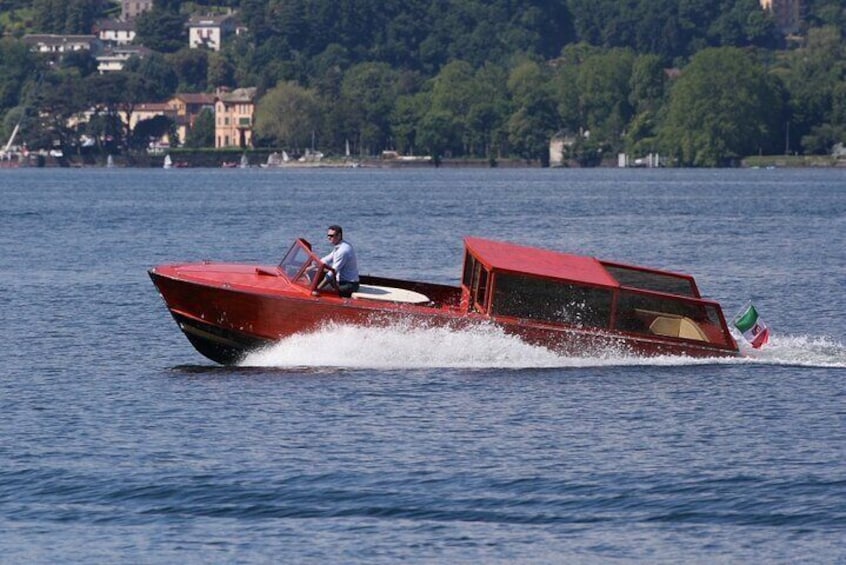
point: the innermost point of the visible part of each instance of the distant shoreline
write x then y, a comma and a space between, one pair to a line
258, 158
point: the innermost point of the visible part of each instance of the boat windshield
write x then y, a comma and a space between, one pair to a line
299, 264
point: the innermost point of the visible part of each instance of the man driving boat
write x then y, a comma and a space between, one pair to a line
342, 260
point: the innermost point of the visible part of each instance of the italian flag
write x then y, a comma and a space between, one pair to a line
753, 327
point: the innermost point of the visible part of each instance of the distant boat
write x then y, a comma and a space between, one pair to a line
110, 162
168, 162
245, 162
311, 156
277, 160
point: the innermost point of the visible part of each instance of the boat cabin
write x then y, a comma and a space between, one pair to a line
510, 282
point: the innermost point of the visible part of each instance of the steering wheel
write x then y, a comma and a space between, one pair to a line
307, 273
333, 280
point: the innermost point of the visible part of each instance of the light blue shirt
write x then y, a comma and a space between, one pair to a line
343, 260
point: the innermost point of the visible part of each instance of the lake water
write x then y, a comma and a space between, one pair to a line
120, 444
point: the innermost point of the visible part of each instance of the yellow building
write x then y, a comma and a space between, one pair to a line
234, 113
183, 109
188, 106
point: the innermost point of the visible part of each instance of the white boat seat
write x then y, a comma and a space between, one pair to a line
390, 294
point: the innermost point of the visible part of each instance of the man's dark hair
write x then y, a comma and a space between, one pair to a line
337, 229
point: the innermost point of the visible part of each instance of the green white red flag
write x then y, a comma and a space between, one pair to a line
752, 327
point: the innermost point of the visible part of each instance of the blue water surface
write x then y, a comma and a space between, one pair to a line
120, 444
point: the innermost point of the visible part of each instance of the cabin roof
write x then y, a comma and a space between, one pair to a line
503, 256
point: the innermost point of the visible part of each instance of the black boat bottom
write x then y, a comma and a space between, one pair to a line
226, 347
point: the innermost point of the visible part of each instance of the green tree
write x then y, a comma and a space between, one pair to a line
220, 71
812, 75
201, 133
17, 66
152, 129
57, 99
824, 13
823, 137
66, 16
49, 16
16, 117
108, 131
669, 28
604, 94
742, 22
191, 67
565, 85
452, 97
161, 29
646, 97
368, 94
82, 62
489, 109
533, 120
405, 121
156, 78
436, 134
647, 84
722, 108
115, 97
288, 116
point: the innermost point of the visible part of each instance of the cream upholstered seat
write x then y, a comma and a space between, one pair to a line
390, 294
677, 326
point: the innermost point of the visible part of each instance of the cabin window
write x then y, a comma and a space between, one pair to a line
476, 278
469, 265
648, 280
630, 302
668, 316
480, 288
521, 296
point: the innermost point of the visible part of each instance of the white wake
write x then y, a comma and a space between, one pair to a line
407, 347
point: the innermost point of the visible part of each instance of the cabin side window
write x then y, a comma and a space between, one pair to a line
476, 278
469, 266
667, 316
552, 301
649, 280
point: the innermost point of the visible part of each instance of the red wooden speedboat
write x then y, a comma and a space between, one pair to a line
568, 303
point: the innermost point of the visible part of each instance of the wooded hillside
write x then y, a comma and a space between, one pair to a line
703, 81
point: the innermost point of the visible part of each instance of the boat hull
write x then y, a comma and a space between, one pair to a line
224, 346
226, 321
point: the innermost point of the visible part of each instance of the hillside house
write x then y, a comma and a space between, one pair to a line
113, 59
187, 107
208, 32
182, 109
131, 9
58, 45
234, 113
115, 32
